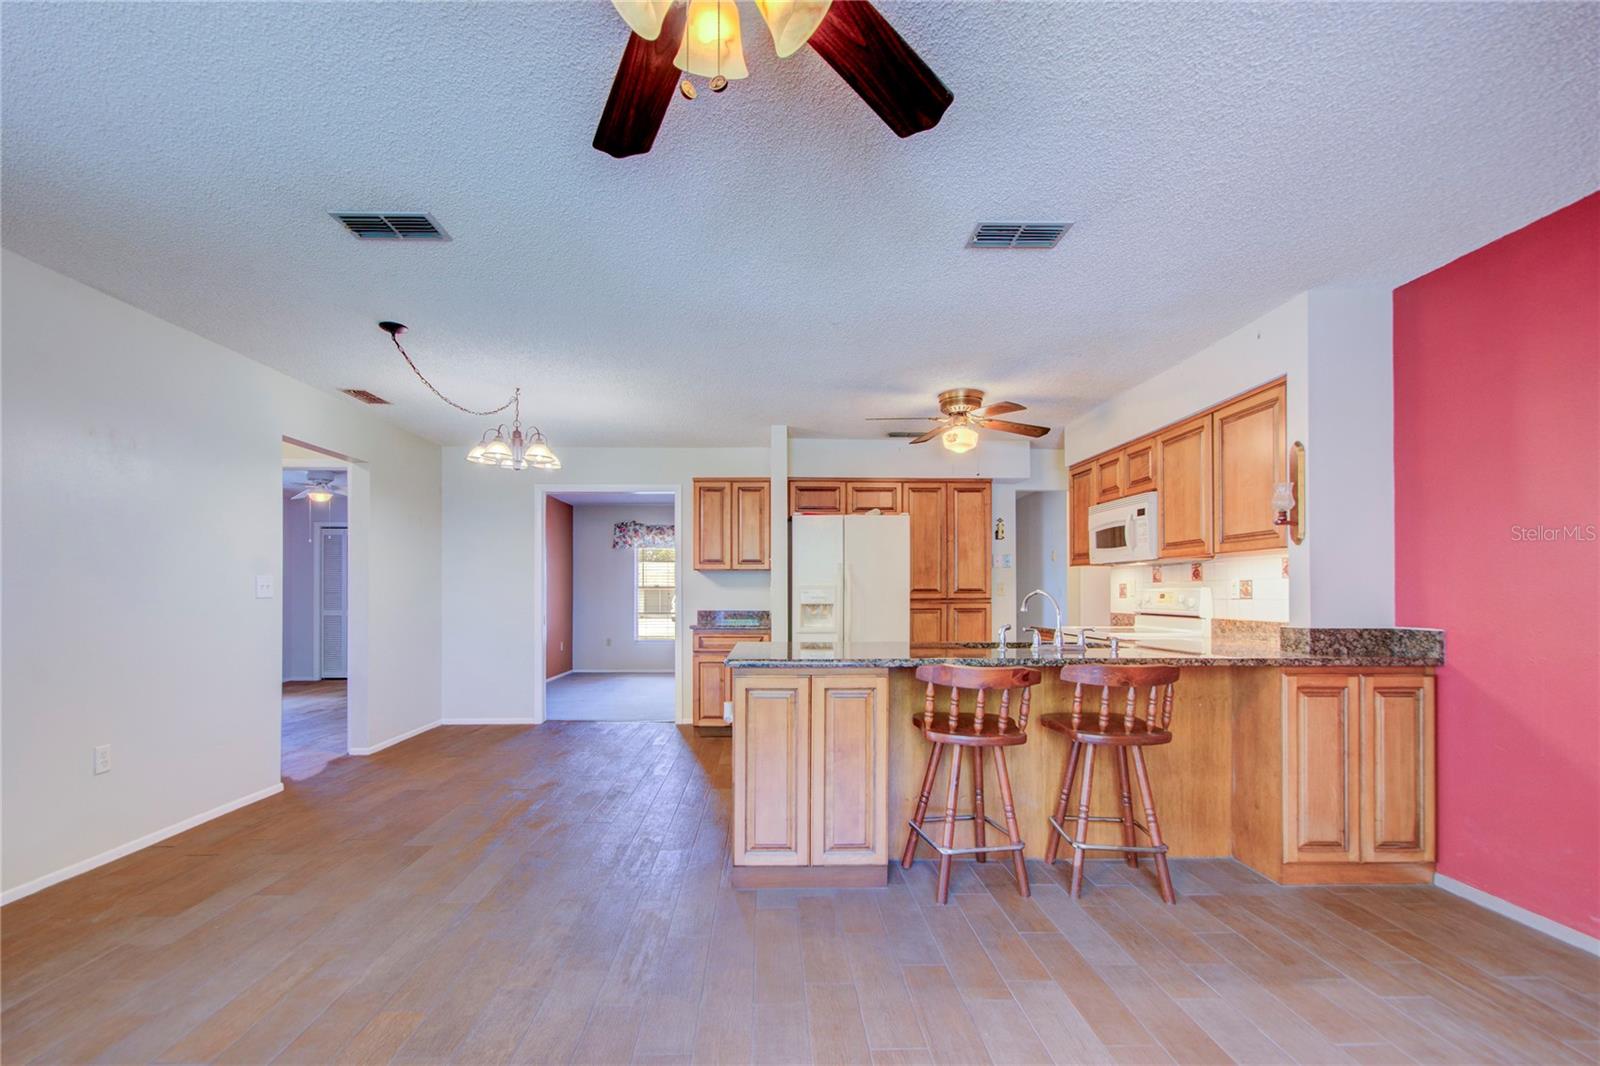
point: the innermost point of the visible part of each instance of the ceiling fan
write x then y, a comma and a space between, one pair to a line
674, 38
963, 413
319, 490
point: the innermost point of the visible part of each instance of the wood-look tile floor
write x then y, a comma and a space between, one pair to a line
559, 893
315, 730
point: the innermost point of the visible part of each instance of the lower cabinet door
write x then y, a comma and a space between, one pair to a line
710, 690
1397, 768
1321, 764
849, 771
771, 770
969, 622
927, 623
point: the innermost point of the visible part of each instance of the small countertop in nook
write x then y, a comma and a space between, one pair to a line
1295, 648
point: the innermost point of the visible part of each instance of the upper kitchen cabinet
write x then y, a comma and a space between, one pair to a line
926, 505
1183, 470
1252, 457
1139, 466
732, 524
970, 514
1081, 479
1110, 476
817, 497
864, 497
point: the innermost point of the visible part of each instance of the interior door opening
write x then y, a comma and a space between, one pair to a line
611, 605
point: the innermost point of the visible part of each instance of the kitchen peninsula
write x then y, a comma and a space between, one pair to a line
1309, 757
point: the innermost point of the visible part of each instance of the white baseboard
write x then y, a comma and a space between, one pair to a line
289, 679
489, 721
392, 741
1521, 915
651, 672
132, 846
557, 677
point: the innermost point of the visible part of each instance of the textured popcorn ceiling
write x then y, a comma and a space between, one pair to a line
780, 257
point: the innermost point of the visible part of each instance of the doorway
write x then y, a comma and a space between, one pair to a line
315, 597
1041, 547
611, 605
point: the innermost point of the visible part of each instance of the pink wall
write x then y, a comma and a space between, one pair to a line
558, 587
1497, 395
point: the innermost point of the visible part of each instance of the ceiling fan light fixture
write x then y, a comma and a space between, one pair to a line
958, 439
643, 17
319, 496
711, 46
792, 22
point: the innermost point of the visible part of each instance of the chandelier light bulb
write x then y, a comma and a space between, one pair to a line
711, 46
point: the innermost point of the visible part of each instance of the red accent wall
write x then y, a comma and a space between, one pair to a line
558, 586
1496, 396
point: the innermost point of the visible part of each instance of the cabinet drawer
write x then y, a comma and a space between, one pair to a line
722, 643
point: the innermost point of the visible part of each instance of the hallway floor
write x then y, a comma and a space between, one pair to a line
315, 729
611, 698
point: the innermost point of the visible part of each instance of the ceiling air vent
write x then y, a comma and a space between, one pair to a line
382, 227
1018, 234
900, 433
364, 396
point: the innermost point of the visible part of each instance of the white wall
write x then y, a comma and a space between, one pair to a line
995, 457
143, 494
603, 592
1041, 552
298, 592
493, 566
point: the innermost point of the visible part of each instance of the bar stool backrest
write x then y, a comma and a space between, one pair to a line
1158, 708
982, 680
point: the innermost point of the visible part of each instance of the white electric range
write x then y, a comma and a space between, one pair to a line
1177, 619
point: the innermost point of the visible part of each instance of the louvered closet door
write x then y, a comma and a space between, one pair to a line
333, 599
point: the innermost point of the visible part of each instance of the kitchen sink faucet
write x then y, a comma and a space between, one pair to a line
1056, 642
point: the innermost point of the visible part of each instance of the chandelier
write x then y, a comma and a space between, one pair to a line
516, 451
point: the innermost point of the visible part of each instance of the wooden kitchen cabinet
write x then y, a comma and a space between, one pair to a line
967, 623
861, 497
817, 497
712, 677
1139, 466
732, 524
1251, 458
1397, 768
927, 506
810, 765
1321, 787
1183, 466
1110, 476
1081, 482
1359, 775
927, 623
970, 555
849, 801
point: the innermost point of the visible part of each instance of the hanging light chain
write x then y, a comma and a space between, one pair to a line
394, 335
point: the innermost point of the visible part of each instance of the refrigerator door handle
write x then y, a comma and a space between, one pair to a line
844, 602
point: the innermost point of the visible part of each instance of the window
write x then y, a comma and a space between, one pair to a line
656, 593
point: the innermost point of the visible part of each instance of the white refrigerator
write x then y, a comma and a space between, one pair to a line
850, 579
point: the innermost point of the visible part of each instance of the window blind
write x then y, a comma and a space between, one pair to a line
656, 593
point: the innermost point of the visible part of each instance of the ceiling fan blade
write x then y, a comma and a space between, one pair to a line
905, 418
876, 62
1005, 407
1022, 429
641, 91
932, 433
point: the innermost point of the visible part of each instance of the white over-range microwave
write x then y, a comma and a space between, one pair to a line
1124, 531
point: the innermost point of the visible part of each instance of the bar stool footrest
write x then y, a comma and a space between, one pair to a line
1129, 849
942, 850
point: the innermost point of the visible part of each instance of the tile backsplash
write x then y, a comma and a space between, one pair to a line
1249, 587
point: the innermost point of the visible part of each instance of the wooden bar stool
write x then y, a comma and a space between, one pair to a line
1122, 734
975, 732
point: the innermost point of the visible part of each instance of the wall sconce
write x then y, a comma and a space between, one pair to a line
999, 529
1288, 496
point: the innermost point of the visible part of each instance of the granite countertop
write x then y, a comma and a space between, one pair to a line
1297, 647
731, 621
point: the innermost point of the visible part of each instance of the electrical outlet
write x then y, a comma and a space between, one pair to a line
263, 586
102, 759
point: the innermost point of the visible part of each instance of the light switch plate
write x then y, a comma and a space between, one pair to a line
102, 759
263, 586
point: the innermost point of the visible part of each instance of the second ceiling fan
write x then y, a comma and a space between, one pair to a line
673, 38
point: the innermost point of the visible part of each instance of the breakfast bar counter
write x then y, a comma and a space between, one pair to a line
1309, 758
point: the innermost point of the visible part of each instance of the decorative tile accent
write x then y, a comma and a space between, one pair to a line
1194, 572
1122, 590
1285, 566
1247, 589
1120, 619
1155, 575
